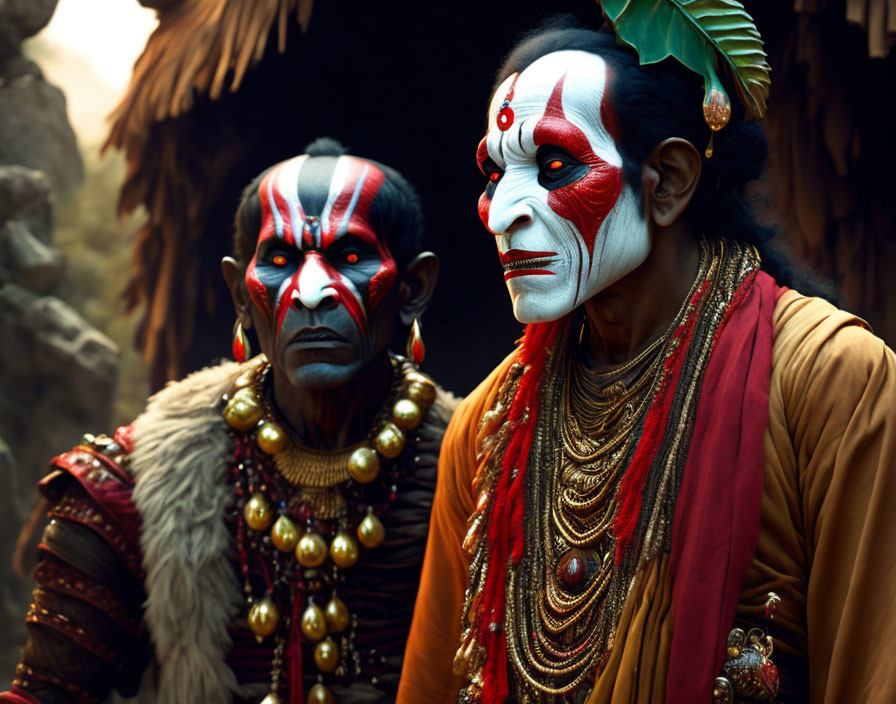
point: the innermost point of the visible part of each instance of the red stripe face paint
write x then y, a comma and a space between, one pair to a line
277, 222
587, 201
555, 184
351, 212
317, 244
486, 166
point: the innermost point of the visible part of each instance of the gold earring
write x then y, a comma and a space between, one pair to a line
415, 349
241, 349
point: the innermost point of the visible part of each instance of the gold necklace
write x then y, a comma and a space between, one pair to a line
564, 598
601, 411
295, 561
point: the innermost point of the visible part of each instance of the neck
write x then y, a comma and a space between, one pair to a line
627, 316
331, 419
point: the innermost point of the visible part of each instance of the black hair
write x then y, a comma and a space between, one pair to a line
398, 216
657, 101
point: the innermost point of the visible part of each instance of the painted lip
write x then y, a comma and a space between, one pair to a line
522, 262
312, 336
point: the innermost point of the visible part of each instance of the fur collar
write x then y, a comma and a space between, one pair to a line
180, 463
180, 460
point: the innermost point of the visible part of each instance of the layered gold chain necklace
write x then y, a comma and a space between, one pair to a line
566, 633
564, 597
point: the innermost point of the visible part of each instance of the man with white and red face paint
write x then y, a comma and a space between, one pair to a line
284, 499
616, 500
565, 222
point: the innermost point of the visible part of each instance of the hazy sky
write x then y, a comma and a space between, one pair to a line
88, 49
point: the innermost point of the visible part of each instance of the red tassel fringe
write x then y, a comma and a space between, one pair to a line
505, 525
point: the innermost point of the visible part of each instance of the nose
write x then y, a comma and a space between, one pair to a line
521, 221
314, 284
508, 214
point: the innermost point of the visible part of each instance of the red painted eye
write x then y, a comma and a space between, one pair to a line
279, 260
351, 258
494, 176
555, 164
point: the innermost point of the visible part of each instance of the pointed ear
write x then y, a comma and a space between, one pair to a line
418, 281
675, 166
236, 282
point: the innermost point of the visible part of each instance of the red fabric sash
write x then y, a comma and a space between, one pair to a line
716, 523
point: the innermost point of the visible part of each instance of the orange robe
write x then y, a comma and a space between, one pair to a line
827, 542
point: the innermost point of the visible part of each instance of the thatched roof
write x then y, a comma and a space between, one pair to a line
197, 44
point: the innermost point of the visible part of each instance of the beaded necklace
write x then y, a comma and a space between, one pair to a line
303, 518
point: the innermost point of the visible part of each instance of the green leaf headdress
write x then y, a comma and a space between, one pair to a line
701, 34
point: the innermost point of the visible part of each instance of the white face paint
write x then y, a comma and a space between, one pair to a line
566, 224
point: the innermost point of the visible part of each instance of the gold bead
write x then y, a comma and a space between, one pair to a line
263, 618
271, 699
326, 655
733, 651
244, 394
284, 534
319, 694
370, 531
258, 513
314, 623
364, 465
389, 441
242, 412
311, 550
420, 389
415, 377
337, 615
245, 378
271, 438
344, 550
406, 414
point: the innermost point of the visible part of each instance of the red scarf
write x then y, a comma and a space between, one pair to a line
717, 513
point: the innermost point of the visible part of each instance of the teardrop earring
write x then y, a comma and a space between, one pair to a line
241, 349
415, 349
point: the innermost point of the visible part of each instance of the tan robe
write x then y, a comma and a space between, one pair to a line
827, 542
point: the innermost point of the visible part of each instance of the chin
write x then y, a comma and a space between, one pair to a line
322, 376
542, 307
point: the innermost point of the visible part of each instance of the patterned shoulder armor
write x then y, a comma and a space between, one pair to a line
101, 466
94, 461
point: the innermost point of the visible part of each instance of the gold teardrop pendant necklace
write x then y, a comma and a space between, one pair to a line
304, 517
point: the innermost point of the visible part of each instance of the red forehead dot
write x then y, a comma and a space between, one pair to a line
505, 118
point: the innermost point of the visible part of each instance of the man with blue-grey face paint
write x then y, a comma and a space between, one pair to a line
257, 534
